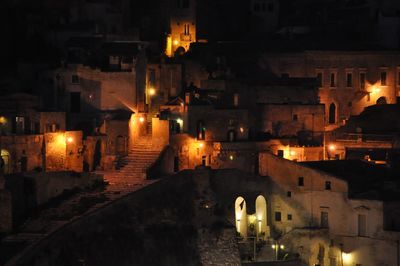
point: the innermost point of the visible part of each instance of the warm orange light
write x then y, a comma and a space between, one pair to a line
3, 120
375, 90
201, 145
292, 153
231, 157
141, 119
70, 139
241, 129
176, 42
152, 91
332, 147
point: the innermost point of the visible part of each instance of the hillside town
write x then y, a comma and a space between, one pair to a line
188, 132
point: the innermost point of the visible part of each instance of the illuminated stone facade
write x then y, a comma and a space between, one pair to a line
182, 26
349, 81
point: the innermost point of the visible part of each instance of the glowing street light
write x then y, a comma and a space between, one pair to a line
141, 119
152, 91
176, 42
332, 147
70, 139
276, 247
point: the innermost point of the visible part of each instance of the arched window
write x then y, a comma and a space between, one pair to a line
332, 113
381, 100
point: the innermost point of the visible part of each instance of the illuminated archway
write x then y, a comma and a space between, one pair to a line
381, 100
241, 216
261, 216
5, 155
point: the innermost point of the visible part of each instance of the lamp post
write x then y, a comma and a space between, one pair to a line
277, 247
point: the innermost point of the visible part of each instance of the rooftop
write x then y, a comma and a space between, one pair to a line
366, 180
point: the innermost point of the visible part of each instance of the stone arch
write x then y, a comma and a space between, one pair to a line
241, 216
381, 100
6, 164
261, 216
332, 113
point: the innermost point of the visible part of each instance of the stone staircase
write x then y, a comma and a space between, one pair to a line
135, 164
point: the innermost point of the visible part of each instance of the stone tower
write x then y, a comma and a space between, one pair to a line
182, 26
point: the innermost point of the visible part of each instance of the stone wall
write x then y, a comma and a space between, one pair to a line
349, 100
64, 151
6, 218
160, 132
289, 119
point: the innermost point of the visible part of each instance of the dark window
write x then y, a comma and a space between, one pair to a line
332, 113
152, 77
362, 80
328, 185
333, 80
295, 117
349, 104
256, 7
263, 7
362, 225
324, 220
383, 78
278, 216
319, 79
75, 79
289, 194
270, 7
301, 181
349, 80
75, 102
280, 153
289, 217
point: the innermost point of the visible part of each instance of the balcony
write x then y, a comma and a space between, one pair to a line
186, 37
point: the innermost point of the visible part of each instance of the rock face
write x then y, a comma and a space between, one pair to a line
221, 250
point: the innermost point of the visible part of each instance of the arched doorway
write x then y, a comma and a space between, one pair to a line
241, 216
120, 145
261, 216
381, 100
97, 155
5, 156
332, 114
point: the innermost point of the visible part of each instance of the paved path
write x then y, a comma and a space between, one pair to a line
121, 182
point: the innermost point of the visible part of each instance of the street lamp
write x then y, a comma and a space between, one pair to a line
276, 247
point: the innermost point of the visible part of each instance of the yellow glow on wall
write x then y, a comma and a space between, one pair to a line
347, 257
60, 139
3, 120
141, 119
252, 219
152, 91
375, 90
332, 147
168, 50
201, 145
70, 139
176, 42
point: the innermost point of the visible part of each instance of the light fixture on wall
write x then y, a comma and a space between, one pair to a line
141, 119
70, 140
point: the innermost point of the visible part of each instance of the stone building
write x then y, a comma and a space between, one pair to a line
349, 80
331, 202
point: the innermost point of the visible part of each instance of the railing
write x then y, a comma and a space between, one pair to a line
360, 137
